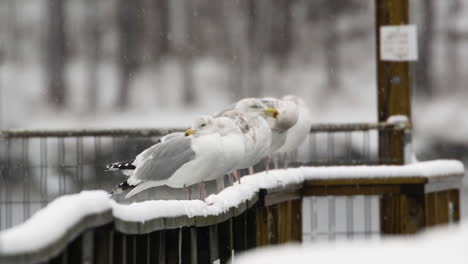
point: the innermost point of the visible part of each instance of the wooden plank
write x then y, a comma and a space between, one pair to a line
431, 209
393, 82
401, 213
251, 219
240, 232
186, 244
262, 226
454, 196
225, 240
284, 222
344, 190
214, 250
172, 246
296, 220
273, 227
280, 197
365, 181
102, 245
203, 244
443, 207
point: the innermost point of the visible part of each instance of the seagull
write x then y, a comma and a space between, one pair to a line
288, 116
250, 115
298, 133
232, 143
179, 162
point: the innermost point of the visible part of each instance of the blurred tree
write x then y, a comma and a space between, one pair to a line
129, 24
452, 40
236, 23
261, 22
280, 45
327, 13
93, 34
424, 65
180, 44
156, 29
56, 53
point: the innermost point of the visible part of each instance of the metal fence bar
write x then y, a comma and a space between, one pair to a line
350, 216
368, 215
26, 179
331, 218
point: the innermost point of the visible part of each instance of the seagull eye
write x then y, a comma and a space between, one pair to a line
203, 125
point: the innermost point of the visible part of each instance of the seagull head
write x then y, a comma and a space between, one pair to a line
202, 125
255, 106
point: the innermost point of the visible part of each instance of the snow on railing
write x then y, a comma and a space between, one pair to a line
52, 228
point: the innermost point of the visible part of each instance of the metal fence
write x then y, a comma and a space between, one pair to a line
38, 166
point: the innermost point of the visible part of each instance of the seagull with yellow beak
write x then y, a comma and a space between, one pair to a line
250, 116
179, 162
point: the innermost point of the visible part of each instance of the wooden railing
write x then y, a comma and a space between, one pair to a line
413, 197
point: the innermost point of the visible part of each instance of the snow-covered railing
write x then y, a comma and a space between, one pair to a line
264, 209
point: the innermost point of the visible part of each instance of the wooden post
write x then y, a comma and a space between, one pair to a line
393, 82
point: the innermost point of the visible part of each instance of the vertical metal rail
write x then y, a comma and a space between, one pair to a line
8, 196
61, 165
79, 163
43, 173
26, 203
98, 159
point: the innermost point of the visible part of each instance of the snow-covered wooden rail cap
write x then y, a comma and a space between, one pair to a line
50, 230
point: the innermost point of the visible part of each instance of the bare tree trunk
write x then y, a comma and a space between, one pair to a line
424, 66
93, 53
128, 58
452, 47
331, 47
55, 57
261, 39
180, 12
156, 28
237, 28
281, 30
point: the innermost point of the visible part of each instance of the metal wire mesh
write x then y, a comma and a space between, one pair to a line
39, 166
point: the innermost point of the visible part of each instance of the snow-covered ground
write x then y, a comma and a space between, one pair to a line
443, 245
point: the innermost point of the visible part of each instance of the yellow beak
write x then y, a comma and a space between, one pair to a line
272, 112
189, 132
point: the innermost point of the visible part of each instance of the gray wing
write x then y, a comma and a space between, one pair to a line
163, 159
149, 151
171, 136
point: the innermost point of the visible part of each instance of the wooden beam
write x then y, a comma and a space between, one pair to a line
393, 82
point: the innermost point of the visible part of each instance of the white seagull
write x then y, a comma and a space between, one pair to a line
287, 118
179, 162
250, 116
298, 133
232, 143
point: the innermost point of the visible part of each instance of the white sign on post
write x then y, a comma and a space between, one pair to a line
398, 43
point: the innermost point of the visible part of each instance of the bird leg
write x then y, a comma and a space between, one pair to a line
276, 161
236, 176
220, 183
285, 160
267, 163
202, 190
188, 192
231, 181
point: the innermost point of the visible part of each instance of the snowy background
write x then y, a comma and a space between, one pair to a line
159, 63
